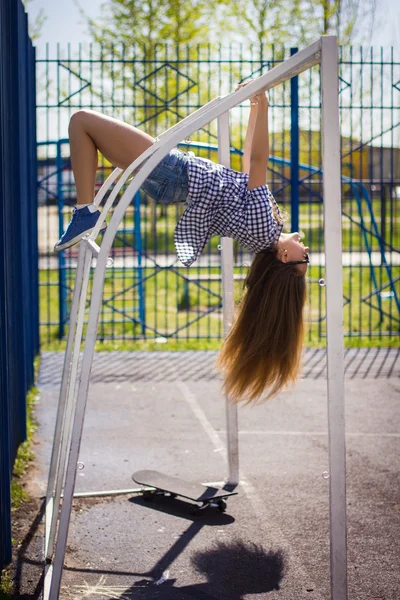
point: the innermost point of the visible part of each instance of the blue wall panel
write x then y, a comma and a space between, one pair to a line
19, 333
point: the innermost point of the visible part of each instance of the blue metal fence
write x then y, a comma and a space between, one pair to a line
19, 313
148, 295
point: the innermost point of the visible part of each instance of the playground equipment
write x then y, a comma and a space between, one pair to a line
74, 389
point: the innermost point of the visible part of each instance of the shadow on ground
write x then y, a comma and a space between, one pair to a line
28, 541
232, 571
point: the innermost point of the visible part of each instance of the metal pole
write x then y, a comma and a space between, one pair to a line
61, 411
228, 305
294, 149
86, 258
81, 395
62, 288
139, 268
334, 311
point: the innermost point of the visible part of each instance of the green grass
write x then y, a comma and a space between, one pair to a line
173, 307
157, 225
24, 454
165, 294
6, 586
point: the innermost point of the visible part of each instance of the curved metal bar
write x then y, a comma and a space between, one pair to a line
104, 188
139, 163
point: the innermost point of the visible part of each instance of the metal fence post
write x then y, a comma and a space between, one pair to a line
334, 302
139, 269
62, 285
6, 419
228, 305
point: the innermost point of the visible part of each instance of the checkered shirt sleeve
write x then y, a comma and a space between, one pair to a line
262, 229
219, 203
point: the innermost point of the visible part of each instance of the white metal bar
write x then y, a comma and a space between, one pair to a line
139, 162
101, 493
228, 305
65, 375
334, 312
93, 247
149, 159
196, 113
48, 577
106, 185
77, 426
48, 515
70, 404
60, 419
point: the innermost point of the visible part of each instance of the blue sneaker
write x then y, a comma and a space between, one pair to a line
83, 222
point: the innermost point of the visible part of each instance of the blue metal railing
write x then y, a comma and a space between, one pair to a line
61, 189
167, 85
19, 310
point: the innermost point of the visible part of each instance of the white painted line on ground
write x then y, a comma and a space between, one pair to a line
201, 416
318, 433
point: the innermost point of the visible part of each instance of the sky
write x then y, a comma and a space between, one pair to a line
64, 23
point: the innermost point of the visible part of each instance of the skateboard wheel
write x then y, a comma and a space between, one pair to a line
222, 506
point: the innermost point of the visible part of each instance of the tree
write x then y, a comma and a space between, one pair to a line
300, 22
157, 41
153, 21
255, 24
35, 27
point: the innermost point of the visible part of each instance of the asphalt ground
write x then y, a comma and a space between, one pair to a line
165, 411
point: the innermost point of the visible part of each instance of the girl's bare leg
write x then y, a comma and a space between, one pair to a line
117, 141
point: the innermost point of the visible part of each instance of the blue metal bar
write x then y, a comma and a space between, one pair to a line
18, 243
166, 94
139, 251
62, 288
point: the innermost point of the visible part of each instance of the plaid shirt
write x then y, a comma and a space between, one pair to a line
219, 203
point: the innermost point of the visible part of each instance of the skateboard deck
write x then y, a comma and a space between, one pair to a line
175, 486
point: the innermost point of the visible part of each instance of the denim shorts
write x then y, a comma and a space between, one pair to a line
168, 183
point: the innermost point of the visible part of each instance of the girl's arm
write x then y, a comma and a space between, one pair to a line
259, 151
249, 136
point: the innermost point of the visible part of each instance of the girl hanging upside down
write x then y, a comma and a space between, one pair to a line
262, 353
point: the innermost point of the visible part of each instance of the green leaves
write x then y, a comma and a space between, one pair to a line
152, 21
35, 27
255, 22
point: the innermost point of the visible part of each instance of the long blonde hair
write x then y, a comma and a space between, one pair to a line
263, 349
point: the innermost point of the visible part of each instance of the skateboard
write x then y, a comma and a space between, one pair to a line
163, 485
